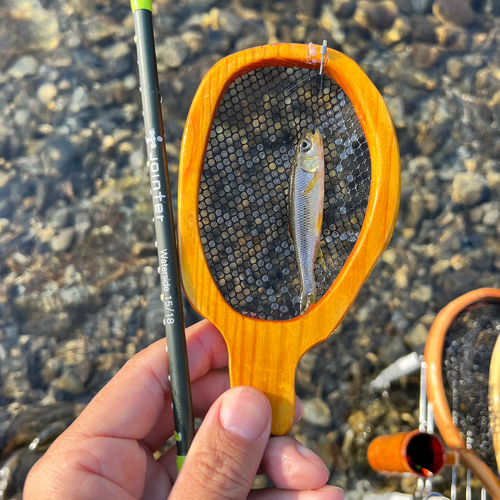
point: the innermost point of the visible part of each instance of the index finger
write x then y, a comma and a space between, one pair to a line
131, 403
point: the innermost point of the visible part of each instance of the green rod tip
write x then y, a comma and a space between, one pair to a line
141, 4
180, 461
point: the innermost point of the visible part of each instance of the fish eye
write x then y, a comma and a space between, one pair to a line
305, 145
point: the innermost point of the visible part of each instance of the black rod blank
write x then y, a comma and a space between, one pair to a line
165, 234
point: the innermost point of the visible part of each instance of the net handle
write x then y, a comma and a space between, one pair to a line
280, 344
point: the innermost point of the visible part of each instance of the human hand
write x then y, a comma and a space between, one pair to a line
107, 453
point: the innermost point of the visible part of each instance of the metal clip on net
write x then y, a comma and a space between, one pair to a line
323, 56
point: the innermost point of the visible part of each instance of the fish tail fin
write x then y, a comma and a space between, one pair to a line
306, 299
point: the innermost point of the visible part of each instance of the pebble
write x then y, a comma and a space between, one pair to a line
24, 66
252, 40
98, 28
79, 100
172, 53
61, 242
20, 259
401, 277
22, 117
4, 224
422, 30
401, 29
357, 422
418, 80
455, 11
417, 210
395, 105
455, 68
230, 22
422, 293
58, 218
344, 9
82, 223
389, 256
332, 24
469, 189
453, 38
194, 40
487, 81
376, 16
46, 92
421, 6
69, 383
425, 56
491, 214
316, 412
419, 165
30, 17
366, 312
116, 51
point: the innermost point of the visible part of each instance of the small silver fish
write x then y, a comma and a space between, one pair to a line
306, 195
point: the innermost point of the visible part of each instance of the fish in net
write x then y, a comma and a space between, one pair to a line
243, 197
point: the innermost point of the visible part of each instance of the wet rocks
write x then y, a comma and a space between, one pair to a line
344, 8
417, 337
46, 92
172, 53
62, 241
76, 302
425, 56
395, 105
24, 66
421, 6
98, 28
27, 27
455, 67
400, 30
422, 293
79, 100
317, 412
422, 30
469, 189
455, 11
376, 16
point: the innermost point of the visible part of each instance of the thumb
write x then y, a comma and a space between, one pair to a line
228, 448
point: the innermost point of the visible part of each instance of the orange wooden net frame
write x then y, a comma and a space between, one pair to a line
264, 353
436, 391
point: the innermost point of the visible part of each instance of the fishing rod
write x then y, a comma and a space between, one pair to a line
164, 228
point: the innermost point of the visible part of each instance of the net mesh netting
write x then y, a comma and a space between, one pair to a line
467, 353
243, 197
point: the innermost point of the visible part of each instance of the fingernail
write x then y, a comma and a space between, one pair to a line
245, 412
312, 458
332, 489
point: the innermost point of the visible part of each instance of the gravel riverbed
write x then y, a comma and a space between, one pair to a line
77, 256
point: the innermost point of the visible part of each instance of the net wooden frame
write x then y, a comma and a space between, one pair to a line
435, 388
264, 354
